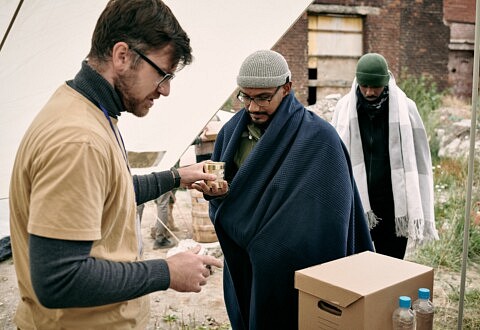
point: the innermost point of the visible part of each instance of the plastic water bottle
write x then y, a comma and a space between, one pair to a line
403, 317
423, 309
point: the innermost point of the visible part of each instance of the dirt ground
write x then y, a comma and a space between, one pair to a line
169, 309
205, 310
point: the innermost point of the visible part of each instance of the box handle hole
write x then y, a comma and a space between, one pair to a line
329, 308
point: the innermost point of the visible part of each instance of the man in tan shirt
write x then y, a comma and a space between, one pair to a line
75, 237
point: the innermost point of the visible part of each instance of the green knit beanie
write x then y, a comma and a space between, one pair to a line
372, 70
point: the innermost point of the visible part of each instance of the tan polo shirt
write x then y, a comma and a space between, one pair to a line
70, 181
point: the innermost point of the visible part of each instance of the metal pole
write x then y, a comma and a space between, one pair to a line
471, 157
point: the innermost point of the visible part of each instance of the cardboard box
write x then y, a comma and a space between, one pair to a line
212, 129
357, 292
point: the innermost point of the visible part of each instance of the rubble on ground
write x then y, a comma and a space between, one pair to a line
324, 107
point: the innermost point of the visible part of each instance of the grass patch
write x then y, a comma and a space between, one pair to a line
450, 181
450, 177
424, 92
446, 314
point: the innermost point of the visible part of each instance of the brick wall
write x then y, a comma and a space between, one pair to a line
293, 46
461, 70
461, 11
424, 40
382, 34
410, 34
460, 15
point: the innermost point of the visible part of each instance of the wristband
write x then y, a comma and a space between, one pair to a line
176, 177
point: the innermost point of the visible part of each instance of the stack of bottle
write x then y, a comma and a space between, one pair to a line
418, 316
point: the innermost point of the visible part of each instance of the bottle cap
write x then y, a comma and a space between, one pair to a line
424, 293
404, 301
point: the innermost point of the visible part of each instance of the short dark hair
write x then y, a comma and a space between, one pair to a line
143, 24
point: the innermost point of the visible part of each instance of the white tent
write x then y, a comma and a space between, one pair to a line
49, 39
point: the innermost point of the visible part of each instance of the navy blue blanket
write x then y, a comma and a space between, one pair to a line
292, 204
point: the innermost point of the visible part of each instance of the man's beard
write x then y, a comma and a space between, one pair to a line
376, 103
124, 86
262, 124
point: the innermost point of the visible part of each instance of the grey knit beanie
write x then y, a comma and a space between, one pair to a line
263, 69
372, 70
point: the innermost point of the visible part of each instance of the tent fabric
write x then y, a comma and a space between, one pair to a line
49, 40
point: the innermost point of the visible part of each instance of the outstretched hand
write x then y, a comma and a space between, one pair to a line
189, 270
192, 173
212, 188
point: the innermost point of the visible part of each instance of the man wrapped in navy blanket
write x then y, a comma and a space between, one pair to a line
291, 201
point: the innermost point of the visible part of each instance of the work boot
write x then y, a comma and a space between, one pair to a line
162, 243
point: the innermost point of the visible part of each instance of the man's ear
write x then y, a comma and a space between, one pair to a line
121, 56
287, 87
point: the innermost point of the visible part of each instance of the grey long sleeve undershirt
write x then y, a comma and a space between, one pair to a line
65, 275
149, 187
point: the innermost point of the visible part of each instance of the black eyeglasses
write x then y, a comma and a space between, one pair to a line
261, 101
165, 76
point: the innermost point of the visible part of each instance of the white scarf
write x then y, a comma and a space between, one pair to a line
411, 166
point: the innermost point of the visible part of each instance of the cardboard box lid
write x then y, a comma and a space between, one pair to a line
344, 281
212, 129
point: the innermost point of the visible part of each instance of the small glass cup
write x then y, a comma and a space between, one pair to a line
217, 168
